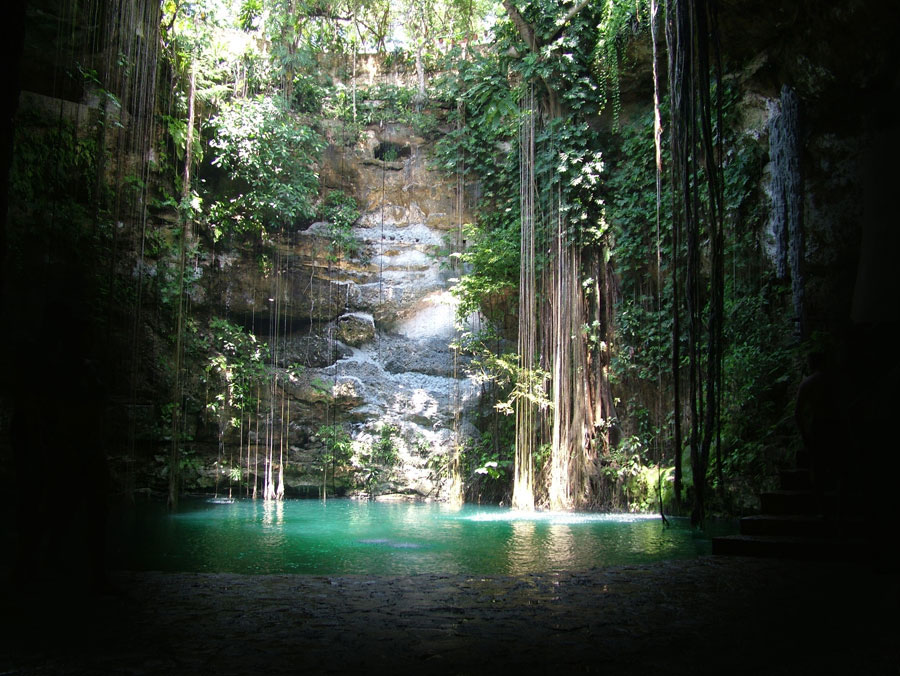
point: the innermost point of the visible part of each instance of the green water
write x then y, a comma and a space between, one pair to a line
375, 538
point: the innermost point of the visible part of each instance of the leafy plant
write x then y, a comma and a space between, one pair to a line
384, 449
337, 449
269, 158
341, 212
378, 457
235, 363
336, 444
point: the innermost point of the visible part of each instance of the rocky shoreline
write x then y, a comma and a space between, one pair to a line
707, 615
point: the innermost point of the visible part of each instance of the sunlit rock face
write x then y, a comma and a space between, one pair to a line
364, 340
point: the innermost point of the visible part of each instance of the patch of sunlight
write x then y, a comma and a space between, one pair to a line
434, 317
558, 518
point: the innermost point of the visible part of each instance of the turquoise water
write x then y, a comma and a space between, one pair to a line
377, 538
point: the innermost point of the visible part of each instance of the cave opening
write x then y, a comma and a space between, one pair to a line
389, 151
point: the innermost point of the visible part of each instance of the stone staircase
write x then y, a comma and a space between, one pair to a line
796, 523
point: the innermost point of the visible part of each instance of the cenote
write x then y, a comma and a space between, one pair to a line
384, 538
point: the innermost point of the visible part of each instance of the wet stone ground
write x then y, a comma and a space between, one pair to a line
709, 615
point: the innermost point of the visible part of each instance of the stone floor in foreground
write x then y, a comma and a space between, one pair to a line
723, 615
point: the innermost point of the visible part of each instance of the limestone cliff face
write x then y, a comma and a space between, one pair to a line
372, 332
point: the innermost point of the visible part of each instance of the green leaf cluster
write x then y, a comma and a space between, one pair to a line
337, 446
235, 365
384, 450
269, 157
340, 211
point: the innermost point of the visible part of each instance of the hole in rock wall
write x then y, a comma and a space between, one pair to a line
388, 151
260, 323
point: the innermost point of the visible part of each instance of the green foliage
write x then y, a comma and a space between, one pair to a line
235, 365
760, 365
485, 116
341, 212
322, 388
54, 173
379, 457
384, 102
487, 462
632, 482
380, 103
177, 129
571, 165
189, 463
309, 94
384, 450
249, 14
621, 19
269, 158
169, 283
483, 147
480, 147
296, 370
337, 104
494, 469
514, 381
337, 448
491, 456
337, 451
493, 260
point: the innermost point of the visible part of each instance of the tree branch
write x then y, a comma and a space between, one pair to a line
528, 33
571, 14
524, 28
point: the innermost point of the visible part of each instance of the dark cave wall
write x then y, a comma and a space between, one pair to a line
837, 57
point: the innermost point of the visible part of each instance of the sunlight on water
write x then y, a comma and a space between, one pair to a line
374, 538
560, 517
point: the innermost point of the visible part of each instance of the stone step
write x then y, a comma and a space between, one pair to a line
795, 502
795, 479
787, 547
786, 524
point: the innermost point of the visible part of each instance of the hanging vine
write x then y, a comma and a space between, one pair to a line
567, 167
526, 406
693, 63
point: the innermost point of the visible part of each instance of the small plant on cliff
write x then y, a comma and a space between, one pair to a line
380, 455
384, 448
341, 212
336, 452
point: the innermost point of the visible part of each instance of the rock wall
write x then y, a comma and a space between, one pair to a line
835, 61
372, 332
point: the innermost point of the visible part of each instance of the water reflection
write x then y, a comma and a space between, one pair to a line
349, 537
273, 513
520, 546
560, 547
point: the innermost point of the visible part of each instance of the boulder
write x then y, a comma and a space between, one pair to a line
355, 328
